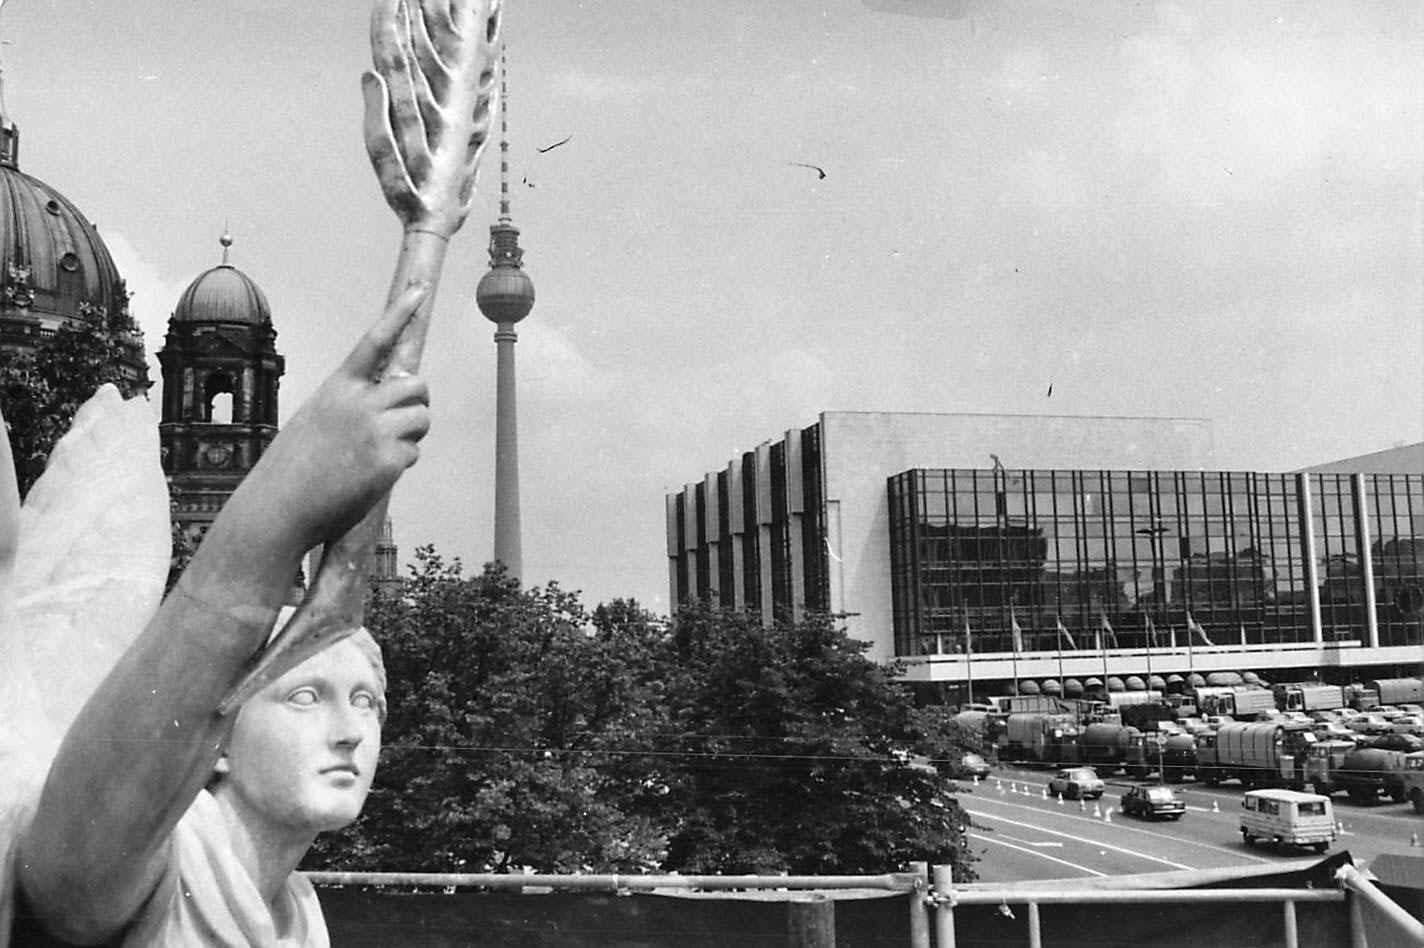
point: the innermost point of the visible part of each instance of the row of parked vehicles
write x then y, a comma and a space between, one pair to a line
1296, 737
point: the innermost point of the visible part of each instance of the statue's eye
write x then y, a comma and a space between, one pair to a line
303, 697
363, 700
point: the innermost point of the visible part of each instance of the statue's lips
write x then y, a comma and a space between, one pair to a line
351, 769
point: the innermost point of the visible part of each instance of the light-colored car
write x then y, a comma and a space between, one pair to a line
1215, 721
1408, 724
1333, 731
1077, 783
1193, 725
1368, 724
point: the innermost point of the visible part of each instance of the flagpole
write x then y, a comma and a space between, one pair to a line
1151, 634
1191, 634
969, 663
1016, 634
1059, 636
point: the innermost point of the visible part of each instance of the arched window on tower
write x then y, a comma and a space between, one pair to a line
218, 391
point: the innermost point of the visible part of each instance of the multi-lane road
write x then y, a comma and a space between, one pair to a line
1019, 833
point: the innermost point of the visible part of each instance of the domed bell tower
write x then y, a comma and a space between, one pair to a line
221, 371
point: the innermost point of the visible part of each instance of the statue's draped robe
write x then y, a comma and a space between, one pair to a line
83, 580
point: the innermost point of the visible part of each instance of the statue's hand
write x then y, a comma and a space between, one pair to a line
428, 105
346, 446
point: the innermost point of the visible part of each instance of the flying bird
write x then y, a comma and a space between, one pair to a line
1050, 390
820, 172
553, 146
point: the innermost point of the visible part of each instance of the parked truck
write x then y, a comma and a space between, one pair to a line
1258, 754
1367, 773
1412, 780
1242, 702
1037, 736
1308, 697
1170, 753
1398, 690
1104, 746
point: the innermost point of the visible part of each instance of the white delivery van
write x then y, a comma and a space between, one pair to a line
1288, 818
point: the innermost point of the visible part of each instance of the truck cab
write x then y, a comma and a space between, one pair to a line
1288, 818
1413, 777
1323, 761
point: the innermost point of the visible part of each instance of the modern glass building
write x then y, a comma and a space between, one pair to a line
1112, 548
1152, 558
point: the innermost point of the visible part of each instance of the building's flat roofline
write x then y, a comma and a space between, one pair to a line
1000, 414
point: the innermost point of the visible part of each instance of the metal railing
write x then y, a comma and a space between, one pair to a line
932, 898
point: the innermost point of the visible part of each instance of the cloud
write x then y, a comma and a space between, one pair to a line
151, 299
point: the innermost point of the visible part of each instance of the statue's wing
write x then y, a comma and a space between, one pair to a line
90, 562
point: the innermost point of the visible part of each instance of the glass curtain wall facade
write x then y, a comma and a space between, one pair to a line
1081, 559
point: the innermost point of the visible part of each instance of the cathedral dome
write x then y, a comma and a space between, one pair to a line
54, 262
223, 294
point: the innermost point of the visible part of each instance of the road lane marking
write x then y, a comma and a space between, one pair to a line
1240, 854
1082, 839
1034, 852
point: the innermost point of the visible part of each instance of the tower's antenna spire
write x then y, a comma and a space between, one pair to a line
503, 133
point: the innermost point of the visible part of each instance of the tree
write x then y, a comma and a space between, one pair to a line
42, 389
512, 732
794, 755
526, 732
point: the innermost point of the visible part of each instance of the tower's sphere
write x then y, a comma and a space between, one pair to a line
505, 294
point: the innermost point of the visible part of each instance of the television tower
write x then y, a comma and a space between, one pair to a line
505, 295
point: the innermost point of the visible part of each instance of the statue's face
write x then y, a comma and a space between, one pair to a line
303, 750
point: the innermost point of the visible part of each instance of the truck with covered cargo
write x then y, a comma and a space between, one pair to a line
1242, 702
1258, 754
1397, 690
1037, 736
1308, 697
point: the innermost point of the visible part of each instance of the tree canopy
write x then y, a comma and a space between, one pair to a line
42, 389
525, 731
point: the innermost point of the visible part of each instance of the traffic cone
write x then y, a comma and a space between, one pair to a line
999, 785
1060, 799
1214, 807
1045, 793
1413, 839
1097, 810
976, 780
1107, 815
1081, 804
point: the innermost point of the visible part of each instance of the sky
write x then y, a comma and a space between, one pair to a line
1208, 210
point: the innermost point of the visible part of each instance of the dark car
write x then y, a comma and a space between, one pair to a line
1076, 783
972, 765
1407, 743
1151, 802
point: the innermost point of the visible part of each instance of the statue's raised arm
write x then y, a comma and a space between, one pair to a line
428, 115
211, 756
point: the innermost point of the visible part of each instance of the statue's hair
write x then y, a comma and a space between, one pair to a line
361, 638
